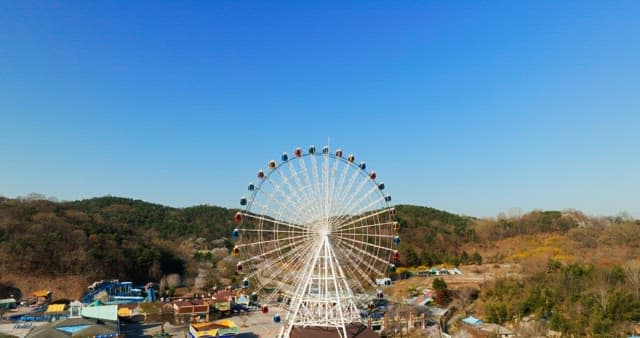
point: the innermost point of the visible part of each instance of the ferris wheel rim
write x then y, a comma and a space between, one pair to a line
279, 165
376, 249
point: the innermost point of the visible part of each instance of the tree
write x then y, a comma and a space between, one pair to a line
632, 274
602, 283
439, 284
442, 293
476, 258
412, 257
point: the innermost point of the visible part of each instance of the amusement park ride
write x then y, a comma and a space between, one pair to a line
315, 232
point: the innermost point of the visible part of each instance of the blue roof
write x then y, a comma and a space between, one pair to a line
472, 320
73, 329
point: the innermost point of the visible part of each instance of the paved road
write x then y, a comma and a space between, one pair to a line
9, 328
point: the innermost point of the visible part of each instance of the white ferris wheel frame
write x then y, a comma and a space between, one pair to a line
316, 233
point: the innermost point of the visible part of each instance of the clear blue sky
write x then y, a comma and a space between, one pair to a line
472, 107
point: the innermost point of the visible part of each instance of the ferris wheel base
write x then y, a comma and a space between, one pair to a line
354, 330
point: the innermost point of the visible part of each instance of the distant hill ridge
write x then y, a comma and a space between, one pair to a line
114, 237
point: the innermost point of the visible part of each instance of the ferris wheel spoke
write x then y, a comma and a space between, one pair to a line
307, 178
275, 231
265, 219
289, 201
299, 191
351, 245
362, 234
360, 219
345, 188
366, 244
261, 208
349, 205
327, 188
272, 261
317, 188
298, 194
332, 177
277, 240
380, 225
348, 217
290, 261
284, 207
363, 198
337, 189
315, 213
348, 251
352, 266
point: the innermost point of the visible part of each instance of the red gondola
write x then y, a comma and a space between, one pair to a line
395, 256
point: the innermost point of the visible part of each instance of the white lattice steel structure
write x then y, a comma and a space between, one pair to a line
316, 231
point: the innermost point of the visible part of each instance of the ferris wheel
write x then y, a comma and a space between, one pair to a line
315, 232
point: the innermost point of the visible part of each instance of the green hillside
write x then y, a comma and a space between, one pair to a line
105, 237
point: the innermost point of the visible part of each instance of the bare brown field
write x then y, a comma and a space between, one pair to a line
61, 287
472, 276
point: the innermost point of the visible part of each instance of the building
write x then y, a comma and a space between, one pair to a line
75, 327
219, 328
193, 310
96, 321
8, 303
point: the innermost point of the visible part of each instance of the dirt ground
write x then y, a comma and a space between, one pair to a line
472, 276
61, 287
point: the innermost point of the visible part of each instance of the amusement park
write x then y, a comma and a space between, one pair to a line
315, 243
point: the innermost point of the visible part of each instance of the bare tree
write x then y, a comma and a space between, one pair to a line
632, 273
602, 283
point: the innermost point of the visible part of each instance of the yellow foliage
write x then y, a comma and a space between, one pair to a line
401, 270
549, 246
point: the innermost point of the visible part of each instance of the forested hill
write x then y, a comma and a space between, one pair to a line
112, 237
106, 237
